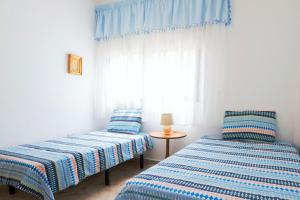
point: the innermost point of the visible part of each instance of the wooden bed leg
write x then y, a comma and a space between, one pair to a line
11, 190
107, 177
142, 161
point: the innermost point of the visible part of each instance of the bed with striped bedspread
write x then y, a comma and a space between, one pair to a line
217, 169
44, 168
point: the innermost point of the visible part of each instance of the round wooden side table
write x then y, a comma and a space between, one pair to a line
162, 135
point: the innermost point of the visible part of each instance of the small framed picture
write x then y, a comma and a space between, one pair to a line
74, 64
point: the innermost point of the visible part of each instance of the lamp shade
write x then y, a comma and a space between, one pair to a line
166, 119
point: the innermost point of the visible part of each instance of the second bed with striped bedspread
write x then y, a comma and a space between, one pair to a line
216, 169
44, 168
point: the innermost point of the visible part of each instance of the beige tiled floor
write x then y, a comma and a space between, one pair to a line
92, 188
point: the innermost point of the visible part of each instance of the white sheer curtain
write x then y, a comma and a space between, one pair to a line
178, 71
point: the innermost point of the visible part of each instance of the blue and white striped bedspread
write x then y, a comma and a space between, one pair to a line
216, 169
47, 167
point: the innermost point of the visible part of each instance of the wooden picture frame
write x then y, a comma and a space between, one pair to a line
74, 64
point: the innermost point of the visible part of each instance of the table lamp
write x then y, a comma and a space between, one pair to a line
167, 122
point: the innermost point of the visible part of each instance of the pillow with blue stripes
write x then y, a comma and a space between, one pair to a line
125, 121
251, 125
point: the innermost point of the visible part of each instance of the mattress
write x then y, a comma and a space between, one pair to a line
44, 168
216, 169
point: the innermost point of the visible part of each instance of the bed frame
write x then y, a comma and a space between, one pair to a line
12, 190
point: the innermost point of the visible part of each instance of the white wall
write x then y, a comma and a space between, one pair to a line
297, 115
39, 100
263, 59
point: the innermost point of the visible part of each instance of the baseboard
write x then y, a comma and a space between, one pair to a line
153, 160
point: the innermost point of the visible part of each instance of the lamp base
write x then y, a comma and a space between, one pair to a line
167, 130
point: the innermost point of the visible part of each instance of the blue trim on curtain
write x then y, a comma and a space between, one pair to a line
129, 17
